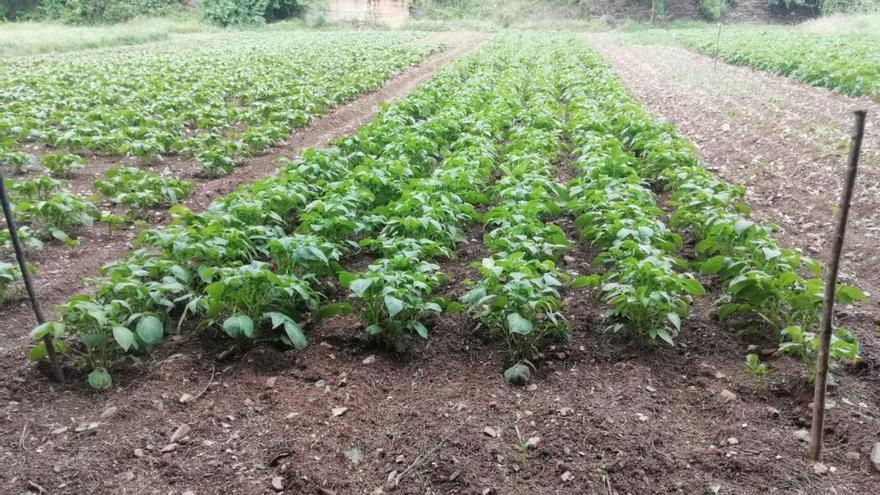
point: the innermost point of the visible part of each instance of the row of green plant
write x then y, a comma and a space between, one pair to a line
848, 64
781, 288
254, 264
219, 100
518, 297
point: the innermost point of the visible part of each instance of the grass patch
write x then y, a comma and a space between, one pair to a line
29, 38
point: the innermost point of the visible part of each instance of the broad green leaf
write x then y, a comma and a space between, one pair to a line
123, 337
394, 305
713, 265
150, 330
419, 328
517, 324
359, 287
586, 281
239, 326
675, 319
99, 379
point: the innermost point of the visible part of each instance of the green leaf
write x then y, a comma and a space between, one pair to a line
394, 305
517, 324
844, 294
419, 328
37, 352
346, 278
150, 330
586, 281
359, 286
374, 329
664, 336
675, 319
713, 265
99, 379
239, 326
123, 337
329, 310
693, 287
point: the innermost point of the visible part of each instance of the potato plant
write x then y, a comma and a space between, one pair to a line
218, 101
138, 190
62, 165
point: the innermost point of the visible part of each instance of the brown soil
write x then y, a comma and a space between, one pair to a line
604, 415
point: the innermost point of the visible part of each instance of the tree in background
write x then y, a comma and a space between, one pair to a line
226, 13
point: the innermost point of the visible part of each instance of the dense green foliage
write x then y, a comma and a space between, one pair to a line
101, 11
847, 64
713, 9
218, 101
249, 12
138, 190
483, 141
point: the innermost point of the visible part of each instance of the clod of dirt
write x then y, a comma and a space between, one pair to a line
180, 433
853, 456
171, 447
186, 398
338, 411
732, 441
820, 469
490, 432
566, 411
270, 382
369, 359
727, 396
875, 456
803, 435
139, 453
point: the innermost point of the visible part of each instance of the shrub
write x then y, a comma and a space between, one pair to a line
103, 11
233, 12
713, 9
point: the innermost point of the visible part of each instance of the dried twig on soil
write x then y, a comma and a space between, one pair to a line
426, 456
210, 381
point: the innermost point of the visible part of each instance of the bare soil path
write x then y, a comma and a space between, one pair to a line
61, 270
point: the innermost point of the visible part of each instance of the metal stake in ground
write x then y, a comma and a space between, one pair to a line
28, 283
717, 46
817, 434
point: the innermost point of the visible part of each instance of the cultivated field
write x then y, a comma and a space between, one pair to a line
512, 278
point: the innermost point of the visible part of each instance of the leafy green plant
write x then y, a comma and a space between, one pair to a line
62, 164
755, 366
19, 161
805, 346
519, 301
394, 297
139, 190
8, 274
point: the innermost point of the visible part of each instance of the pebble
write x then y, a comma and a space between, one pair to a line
566, 411
820, 469
369, 359
180, 433
139, 453
641, 417
803, 435
277, 483
533, 442
727, 396
171, 447
491, 432
58, 431
532, 387
875, 456
853, 456
110, 411
186, 398
270, 382
732, 441
650, 389
567, 476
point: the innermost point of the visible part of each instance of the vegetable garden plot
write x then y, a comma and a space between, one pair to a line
848, 64
258, 264
219, 100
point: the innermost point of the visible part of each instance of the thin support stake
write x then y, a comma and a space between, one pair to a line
817, 433
717, 46
57, 372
